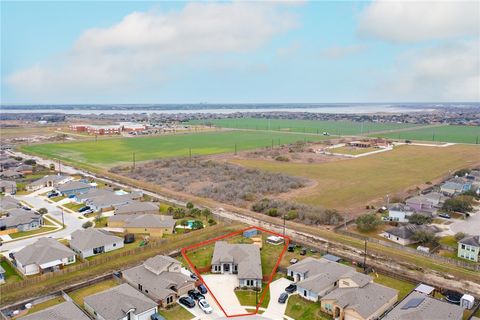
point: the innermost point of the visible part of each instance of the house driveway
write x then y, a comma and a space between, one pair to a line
222, 286
470, 226
276, 310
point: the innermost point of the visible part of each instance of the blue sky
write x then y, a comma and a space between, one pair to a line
228, 52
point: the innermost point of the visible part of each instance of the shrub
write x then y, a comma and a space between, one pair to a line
282, 158
87, 224
194, 212
197, 225
367, 222
291, 215
425, 237
272, 212
30, 162
460, 204
179, 213
190, 205
212, 222
459, 236
43, 211
419, 219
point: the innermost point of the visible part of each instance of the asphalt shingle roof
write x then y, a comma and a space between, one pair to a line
42, 251
247, 256
63, 311
145, 220
92, 238
136, 206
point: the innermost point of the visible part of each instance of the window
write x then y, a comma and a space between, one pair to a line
463, 246
169, 299
114, 244
140, 287
71, 259
304, 293
291, 273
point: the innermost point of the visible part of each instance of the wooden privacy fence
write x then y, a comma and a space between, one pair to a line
459, 263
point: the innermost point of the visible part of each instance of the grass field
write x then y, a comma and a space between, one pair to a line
11, 275
352, 151
355, 182
176, 312
460, 134
79, 295
110, 152
301, 309
306, 126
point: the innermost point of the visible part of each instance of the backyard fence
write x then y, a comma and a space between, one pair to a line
459, 263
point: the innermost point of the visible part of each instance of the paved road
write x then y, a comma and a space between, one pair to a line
470, 226
276, 310
71, 221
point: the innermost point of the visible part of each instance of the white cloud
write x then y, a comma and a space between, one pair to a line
339, 52
412, 21
442, 73
144, 45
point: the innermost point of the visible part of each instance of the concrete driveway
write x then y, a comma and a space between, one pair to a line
276, 310
470, 226
222, 286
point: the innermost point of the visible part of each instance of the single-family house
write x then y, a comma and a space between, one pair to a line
8, 187
2, 275
358, 300
436, 198
11, 174
399, 212
455, 186
419, 306
24, 168
48, 181
44, 255
160, 278
91, 241
64, 311
317, 277
8, 203
404, 234
19, 220
155, 225
469, 248
241, 259
8, 163
137, 207
120, 303
420, 204
109, 202
74, 187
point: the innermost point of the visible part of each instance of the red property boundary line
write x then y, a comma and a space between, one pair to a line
184, 254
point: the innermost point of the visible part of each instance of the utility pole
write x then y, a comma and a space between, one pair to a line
63, 221
59, 167
284, 221
133, 161
365, 257
235, 149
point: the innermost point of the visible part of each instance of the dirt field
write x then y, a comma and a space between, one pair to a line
353, 183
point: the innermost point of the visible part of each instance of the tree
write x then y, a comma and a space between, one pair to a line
461, 172
419, 219
424, 237
179, 213
197, 225
291, 215
30, 162
272, 212
459, 236
367, 222
332, 216
170, 210
460, 204
190, 205
206, 212
43, 211
212, 222
87, 224
194, 212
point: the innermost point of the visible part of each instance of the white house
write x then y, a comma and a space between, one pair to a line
90, 242
399, 212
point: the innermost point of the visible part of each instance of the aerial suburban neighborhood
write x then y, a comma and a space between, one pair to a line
251, 160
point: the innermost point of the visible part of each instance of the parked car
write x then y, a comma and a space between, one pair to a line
444, 215
71, 196
187, 302
52, 195
194, 294
293, 260
283, 298
84, 209
156, 316
87, 211
203, 304
193, 276
291, 247
202, 289
291, 288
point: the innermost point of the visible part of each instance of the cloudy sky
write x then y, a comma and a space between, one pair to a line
227, 52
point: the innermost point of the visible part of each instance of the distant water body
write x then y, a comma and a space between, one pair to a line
367, 109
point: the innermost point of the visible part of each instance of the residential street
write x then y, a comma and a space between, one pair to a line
469, 226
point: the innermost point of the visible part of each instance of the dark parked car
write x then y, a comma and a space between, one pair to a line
291, 247
129, 238
83, 209
444, 215
283, 298
291, 288
53, 194
187, 302
194, 294
202, 289
193, 276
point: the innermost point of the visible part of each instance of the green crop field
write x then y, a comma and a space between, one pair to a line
110, 152
306, 126
353, 183
460, 134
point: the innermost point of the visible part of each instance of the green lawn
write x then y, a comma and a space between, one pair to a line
449, 241
74, 206
352, 151
80, 294
462, 134
307, 126
403, 287
301, 309
201, 257
56, 199
11, 275
110, 152
249, 297
176, 312
46, 304
31, 232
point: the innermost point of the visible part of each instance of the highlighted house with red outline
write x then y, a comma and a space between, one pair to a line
214, 240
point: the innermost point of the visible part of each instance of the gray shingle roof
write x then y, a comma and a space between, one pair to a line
63, 311
114, 303
407, 231
247, 256
92, 238
136, 206
73, 185
471, 241
158, 285
42, 251
145, 220
428, 309
8, 203
18, 217
366, 300
158, 264
53, 178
